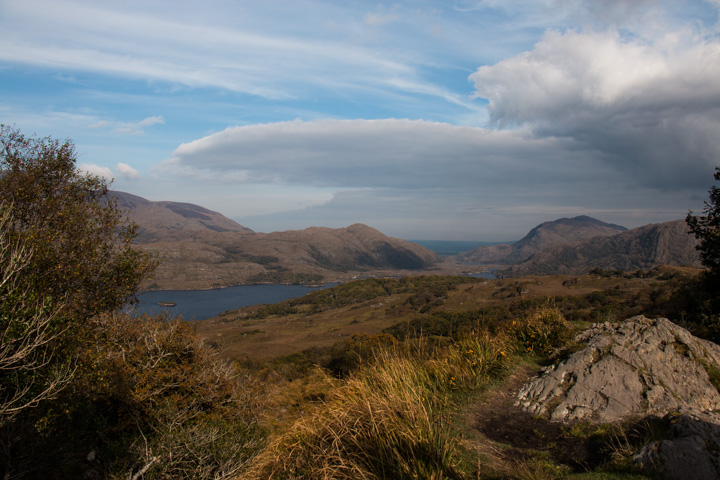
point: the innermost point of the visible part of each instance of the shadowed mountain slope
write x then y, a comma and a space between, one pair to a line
668, 243
549, 234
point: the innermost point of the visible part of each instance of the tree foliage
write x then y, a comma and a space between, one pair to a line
707, 229
81, 244
29, 334
144, 398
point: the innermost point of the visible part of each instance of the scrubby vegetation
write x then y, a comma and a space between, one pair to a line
87, 392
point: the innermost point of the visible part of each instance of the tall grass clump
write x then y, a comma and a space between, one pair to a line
390, 419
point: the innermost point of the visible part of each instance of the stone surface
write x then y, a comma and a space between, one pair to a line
690, 451
637, 367
634, 369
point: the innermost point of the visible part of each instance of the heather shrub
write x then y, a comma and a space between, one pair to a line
181, 411
148, 400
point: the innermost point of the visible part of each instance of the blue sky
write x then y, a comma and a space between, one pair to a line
466, 120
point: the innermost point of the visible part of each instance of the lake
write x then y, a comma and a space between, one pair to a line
202, 304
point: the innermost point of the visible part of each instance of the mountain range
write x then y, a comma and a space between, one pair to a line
668, 243
200, 248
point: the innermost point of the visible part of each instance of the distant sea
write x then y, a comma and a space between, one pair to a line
451, 247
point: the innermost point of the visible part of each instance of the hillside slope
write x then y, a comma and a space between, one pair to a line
645, 247
200, 249
546, 235
173, 220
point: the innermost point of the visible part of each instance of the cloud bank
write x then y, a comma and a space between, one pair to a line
585, 122
652, 107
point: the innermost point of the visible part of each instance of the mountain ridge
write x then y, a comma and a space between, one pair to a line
668, 243
545, 235
200, 248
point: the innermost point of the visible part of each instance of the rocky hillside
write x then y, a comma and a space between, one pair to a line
645, 247
200, 248
546, 235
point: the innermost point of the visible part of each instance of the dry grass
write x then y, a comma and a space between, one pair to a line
390, 419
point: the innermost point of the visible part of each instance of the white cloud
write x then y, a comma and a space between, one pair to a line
390, 153
136, 128
379, 19
127, 172
97, 170
402, 175
649, 107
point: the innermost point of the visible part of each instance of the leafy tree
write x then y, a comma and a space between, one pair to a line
707, 229
81, 244
28, 337
145, 398
66, 256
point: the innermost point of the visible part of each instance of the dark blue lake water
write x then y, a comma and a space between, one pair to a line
202, 304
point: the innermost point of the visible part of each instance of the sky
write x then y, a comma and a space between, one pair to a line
427, 120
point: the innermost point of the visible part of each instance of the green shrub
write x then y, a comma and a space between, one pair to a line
541, 331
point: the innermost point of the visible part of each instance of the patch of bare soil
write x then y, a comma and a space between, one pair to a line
515, 434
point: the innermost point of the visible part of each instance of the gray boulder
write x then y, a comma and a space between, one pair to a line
638, 368
635, 368
690, 450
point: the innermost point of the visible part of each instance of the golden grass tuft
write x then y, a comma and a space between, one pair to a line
390, 419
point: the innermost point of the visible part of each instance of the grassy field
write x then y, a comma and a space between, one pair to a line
415, 377
369, 307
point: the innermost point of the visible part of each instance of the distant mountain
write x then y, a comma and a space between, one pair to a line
645, 247
549, 234
170, 220
200, 248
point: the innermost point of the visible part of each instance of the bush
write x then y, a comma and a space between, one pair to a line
541, 331
148, 397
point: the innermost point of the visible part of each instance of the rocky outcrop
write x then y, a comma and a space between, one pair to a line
638, 368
